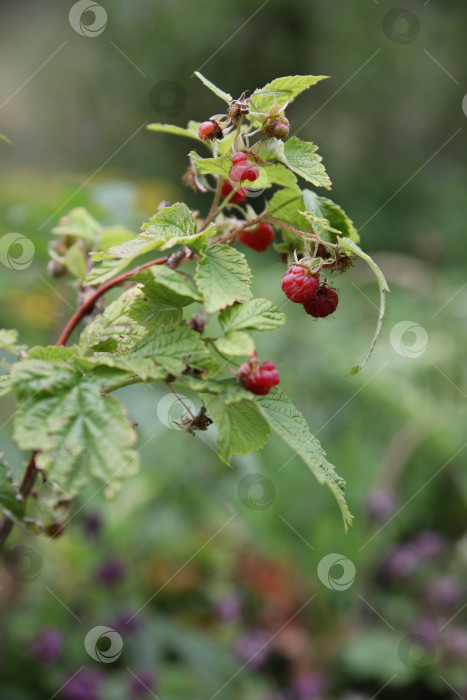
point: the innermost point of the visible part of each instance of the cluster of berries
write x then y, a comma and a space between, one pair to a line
240, 171
257, 378
302, 286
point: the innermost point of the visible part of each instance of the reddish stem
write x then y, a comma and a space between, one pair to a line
30, 475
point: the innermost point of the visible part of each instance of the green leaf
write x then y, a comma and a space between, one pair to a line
191, 132
173, 348
114, 330
79, 433
329, 215
348, 246
8, 338
223, 277
79, 222
10, 501
301, 157
240, 425
235, 343
217, 91
4, 138
52, 352
284, 206
171, 226
75, 261
114, 235
284, 90
290, 424
212, 166
254, 315
160, 275
6, 387
230, 390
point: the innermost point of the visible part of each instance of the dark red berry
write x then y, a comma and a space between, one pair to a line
205, 130
261, 380
239, 196
299, 284
259, 239
323, 304
244, 171
239, 157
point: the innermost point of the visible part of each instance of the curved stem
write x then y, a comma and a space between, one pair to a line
30, 476
88, 305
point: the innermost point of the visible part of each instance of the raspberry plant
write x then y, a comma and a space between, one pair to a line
191, 328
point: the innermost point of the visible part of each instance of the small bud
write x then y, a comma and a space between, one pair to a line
276, 127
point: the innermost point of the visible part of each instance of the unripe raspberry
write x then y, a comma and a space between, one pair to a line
239, 157
210, 130
244, 171
259, 238
261, 380
239, 196
299, 284
205, 130
277, 127
323, 304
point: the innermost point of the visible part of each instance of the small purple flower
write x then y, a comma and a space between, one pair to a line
228, 608
426, 629
92, 525
124, 623
381, 504
47, 646
444, 591
454, 642
400, 563
84, 685
141, 684
309, 686
111, 571
252, 648
428, 545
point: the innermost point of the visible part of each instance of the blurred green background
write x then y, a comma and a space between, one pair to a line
226, 566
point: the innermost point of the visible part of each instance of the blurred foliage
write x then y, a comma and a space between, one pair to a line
396, 429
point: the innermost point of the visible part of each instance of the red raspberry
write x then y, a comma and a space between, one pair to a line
244, 171
261, 380
205, 130
299, 284
323, 304
259, 238
239, 157
239, 196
